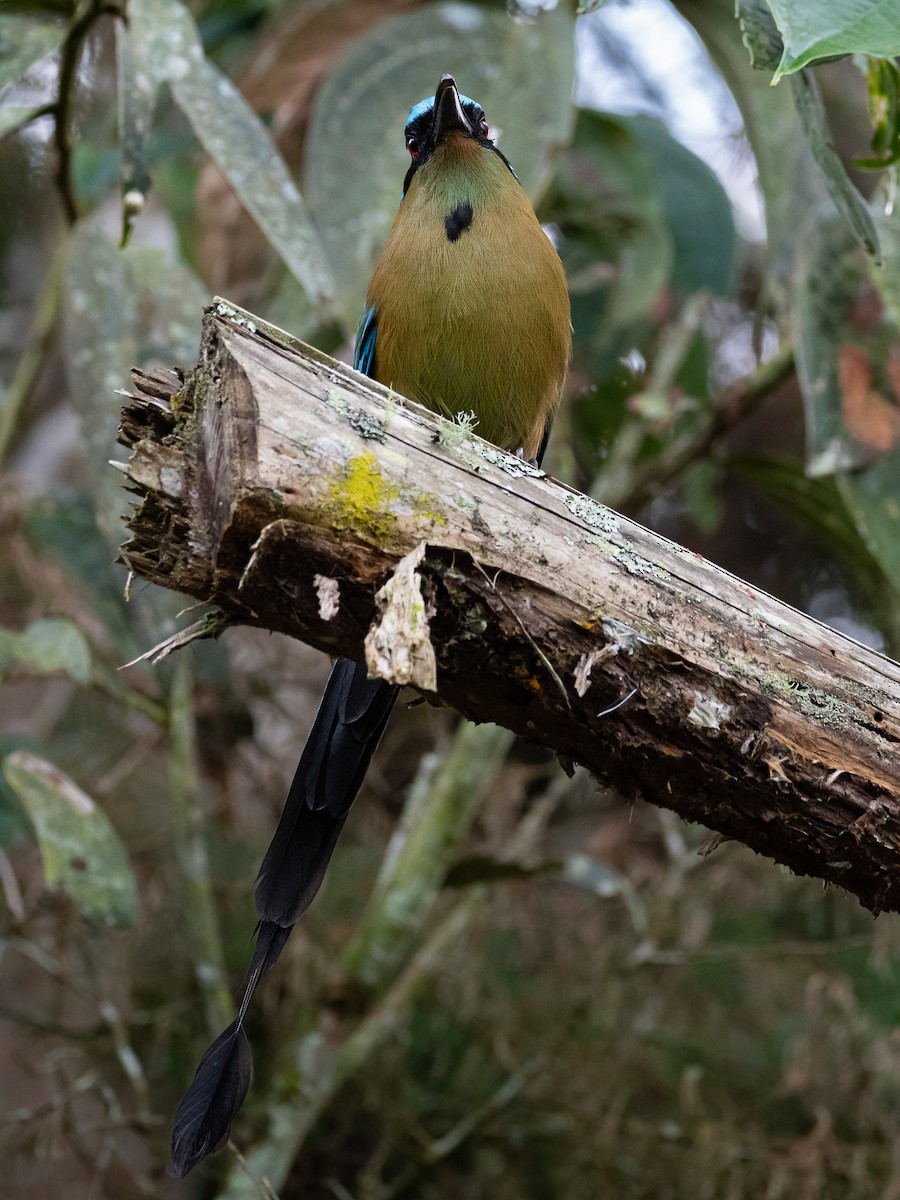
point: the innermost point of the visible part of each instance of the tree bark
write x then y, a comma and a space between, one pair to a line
288, 491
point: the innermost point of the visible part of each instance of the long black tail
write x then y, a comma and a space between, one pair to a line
347, 729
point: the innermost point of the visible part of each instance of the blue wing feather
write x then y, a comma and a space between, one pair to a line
364, 356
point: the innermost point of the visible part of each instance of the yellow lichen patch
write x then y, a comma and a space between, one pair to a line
427, 506
360, 498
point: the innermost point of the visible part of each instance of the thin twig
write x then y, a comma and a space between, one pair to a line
437, 814
263, 1188
69, 62
622, 463
11, 890
205, 942
442, 1147
128, 1059
37, 341
734, 406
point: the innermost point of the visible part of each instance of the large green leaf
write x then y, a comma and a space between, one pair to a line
816, 29
873, 497
80, 850
122, 309
765, 47
520, 71
845, 361
886, 275
137, 89
241, 147
45, 646
790, 183
759, 33
166, 44
820, 504
62, 527
607, 203
840, 187
170, 303
23, 41
100, 341
697, 211
873, 494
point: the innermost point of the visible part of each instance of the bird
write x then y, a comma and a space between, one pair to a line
467, 312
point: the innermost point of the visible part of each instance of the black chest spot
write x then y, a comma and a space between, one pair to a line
458, 221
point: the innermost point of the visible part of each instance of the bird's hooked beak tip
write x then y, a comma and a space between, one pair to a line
448, 110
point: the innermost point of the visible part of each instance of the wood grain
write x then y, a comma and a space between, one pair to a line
273, 476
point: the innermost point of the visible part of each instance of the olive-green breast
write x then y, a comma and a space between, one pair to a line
471, 300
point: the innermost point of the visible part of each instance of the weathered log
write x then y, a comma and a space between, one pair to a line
286, 489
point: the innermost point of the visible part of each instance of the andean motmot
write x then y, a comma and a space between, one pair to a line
467, 312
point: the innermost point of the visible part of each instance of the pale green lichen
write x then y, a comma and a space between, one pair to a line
629, 560
593, 514
453, 432
826, 708
367, 425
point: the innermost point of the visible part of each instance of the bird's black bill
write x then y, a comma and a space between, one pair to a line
448, 111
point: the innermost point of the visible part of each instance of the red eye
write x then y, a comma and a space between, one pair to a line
413, 147
483, 126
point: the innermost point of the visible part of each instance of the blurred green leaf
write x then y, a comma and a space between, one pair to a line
100, 341
873, 497
760, 34
841, 189
818, 502
136, 93
698, 488
122, 308
243, 150
813, 29
170, 303
24, 40
886, 275
45, 646
844, 351
883, 91
80, 850
697, 211
62, 527
615, 244
790, 183
167, 46
597, 414
357, 124
94, 170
